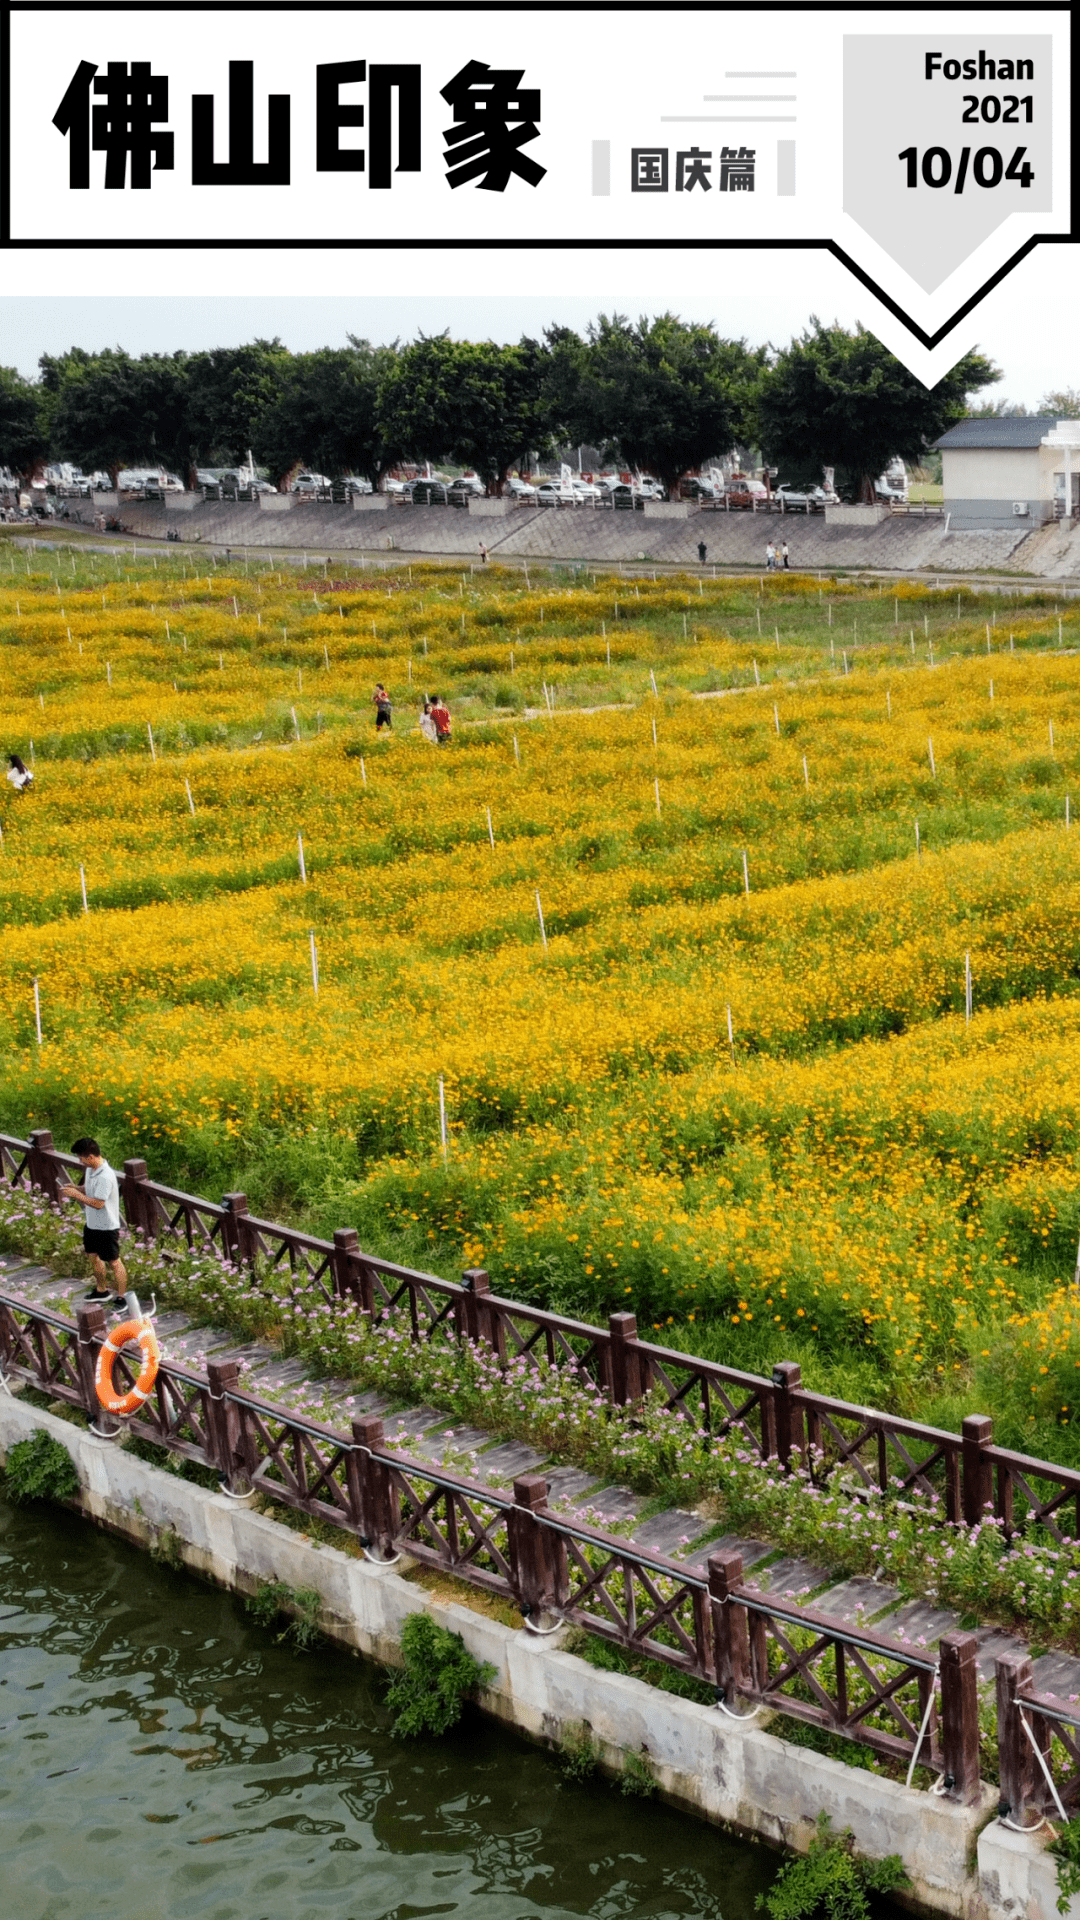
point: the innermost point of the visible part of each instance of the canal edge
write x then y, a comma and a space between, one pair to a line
961, 1863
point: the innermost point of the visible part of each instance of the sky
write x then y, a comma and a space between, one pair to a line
1023, 325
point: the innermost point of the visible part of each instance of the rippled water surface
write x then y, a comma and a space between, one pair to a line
160, 1755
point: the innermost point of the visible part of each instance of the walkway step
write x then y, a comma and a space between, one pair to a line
615, 1506
751, 1550
792, 1579
858, 1600
919, 1623
567, 1488
992, 1643
668, 1532
501, 1464
1058, 1673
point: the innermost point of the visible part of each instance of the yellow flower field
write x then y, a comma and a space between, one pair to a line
859, 1179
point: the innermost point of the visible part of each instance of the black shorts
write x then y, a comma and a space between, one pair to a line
104, 1241
382, 718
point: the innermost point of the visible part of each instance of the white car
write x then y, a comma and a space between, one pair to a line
521, 489
551, 492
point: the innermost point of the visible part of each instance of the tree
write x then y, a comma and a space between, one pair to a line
229, 390
472, 402
1065, 404
325, 414
838, 398
998, 410
666, 394
110, 410
23, 434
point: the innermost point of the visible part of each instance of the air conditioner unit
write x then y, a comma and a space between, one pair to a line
1021, 507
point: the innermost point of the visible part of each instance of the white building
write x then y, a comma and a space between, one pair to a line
1010, 472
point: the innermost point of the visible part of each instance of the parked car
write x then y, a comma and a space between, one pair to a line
357, 483
310, 483
429, 493
552, 493
521, 489
890, 495
471, 483
694, 487
800, 499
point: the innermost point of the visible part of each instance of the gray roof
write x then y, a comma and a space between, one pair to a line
1015, 430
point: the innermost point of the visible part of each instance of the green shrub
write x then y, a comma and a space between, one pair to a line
578, 1756
829, 1881
437, 1676
299, 1606
1066, 1852
40, 1469
637, 1778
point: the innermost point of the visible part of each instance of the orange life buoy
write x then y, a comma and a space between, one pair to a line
143, 1332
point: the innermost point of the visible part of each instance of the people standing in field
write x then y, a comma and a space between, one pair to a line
427, 724
19, 774
440, 714
99, 1197
380, 700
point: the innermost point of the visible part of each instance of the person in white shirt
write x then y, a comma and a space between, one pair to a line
19, 774
99, 1196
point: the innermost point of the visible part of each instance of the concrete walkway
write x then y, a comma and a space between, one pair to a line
436, 1437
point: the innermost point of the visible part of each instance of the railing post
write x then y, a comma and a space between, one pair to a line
371, 1490
731, 1638
342, 1270
978, 1468
91, 1324
628, 1370
960, 1715
1020, 1787
40, 1165
790, 1439
140, 1209
226, 1435
234, 1241
483, 1324
538, 1565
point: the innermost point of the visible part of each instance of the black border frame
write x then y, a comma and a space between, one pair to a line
530, 242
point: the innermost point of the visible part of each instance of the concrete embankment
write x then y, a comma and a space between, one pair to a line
743, 1774
895, 542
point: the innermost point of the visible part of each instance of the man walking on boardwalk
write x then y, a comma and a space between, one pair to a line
99, 1197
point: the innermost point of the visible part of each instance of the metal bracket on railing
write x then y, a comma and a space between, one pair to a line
380, 1563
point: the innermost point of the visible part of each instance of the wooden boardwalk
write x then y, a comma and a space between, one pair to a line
427, 1434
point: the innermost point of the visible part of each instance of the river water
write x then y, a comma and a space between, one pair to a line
163, 1756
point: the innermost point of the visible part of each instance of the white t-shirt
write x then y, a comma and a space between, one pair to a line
101, 1184
19, 780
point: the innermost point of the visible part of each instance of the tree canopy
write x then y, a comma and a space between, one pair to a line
661, 395
839, 398
664, 393
468, 401
325, 414
109, 410
23, 430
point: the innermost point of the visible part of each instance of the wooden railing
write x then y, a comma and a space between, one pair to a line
957, 1476
772, 1653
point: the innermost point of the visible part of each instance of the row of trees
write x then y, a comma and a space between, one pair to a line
662, 396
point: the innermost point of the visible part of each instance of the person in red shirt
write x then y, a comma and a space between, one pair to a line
440, 713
